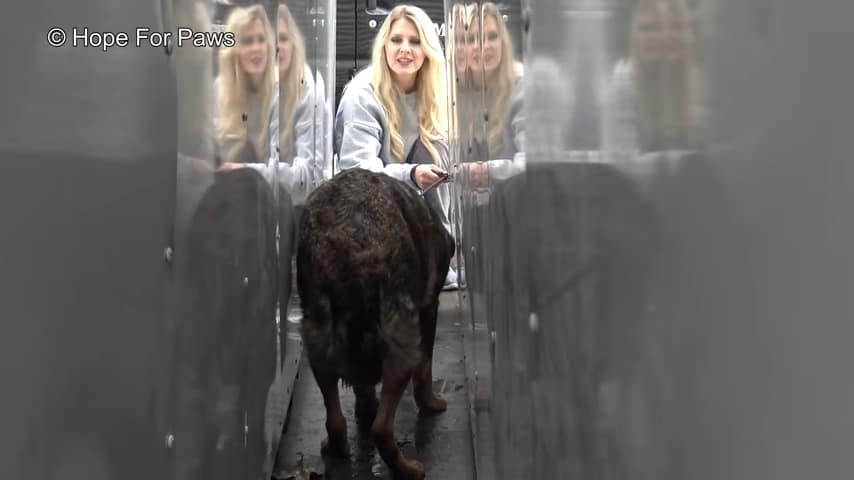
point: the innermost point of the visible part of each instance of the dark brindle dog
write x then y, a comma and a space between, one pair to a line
371, 262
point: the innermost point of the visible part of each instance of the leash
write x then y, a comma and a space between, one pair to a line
443, 178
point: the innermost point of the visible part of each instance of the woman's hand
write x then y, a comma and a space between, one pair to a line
478, 174
426, 175
227, 166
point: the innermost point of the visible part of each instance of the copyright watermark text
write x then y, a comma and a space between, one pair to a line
141, 37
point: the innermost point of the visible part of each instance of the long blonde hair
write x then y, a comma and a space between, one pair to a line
292, 86
235, 83
502, 82
432, 108
666, 93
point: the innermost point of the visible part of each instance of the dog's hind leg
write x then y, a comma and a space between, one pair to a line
428, 401
366, 404
382, 431
335, 444
401, 334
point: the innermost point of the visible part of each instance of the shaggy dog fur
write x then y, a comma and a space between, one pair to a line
371, 262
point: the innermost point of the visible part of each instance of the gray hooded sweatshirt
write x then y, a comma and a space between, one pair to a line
363, 138
307, 165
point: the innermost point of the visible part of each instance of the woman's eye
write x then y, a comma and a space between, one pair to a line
396, 39
492, 36
415, 41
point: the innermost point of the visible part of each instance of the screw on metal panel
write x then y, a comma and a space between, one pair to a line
372, 23
170, 440
245, 281
168, 254
245, 429
534, 322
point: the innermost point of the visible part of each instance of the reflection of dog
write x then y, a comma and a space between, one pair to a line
231, 287
371, 262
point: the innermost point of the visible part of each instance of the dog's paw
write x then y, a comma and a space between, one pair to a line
410, 470
335, 450
432, 404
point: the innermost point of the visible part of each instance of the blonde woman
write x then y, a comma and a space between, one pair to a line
397, 103
292, 155
299, 113
493, 73
489, 88
655, 102
246, 89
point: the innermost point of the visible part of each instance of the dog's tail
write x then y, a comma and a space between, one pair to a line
356, 313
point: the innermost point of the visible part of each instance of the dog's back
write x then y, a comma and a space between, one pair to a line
371, 253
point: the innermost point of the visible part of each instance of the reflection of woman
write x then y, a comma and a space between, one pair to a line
294, 152
396, 106
492, 71
488, 82
245, 88
292, 81
299, 111
490, 122
654, 100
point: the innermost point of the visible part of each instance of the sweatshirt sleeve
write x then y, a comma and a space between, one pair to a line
267, 168
306, 169
359, 138
619, 137
514, 139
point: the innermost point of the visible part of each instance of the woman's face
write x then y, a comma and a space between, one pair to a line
403, 51
252, 53
286, 47
487, 58
492, 48
472, 42
460, 47
661, 35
